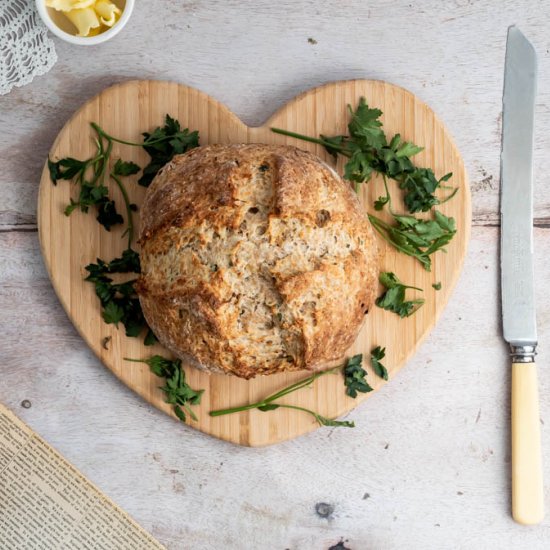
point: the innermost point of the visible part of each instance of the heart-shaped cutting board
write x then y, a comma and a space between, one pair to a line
70, 243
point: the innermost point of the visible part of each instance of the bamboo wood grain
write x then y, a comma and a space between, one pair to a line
69, 243
527, 487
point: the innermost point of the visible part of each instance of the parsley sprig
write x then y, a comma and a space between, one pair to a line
417, 237
393, 298
90, 175
268, 403
176, 390
368, 151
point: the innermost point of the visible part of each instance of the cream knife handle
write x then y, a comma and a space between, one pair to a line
527, 493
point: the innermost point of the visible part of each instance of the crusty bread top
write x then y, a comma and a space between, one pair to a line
255, 259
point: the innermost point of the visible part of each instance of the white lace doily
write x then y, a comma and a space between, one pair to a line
25, 49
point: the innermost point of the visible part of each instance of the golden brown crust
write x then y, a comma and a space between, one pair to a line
256, 259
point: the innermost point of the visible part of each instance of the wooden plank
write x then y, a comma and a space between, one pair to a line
69, 243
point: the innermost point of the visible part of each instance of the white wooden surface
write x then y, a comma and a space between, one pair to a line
427, 466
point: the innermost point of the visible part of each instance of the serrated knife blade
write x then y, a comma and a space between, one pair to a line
518, 296
517, 273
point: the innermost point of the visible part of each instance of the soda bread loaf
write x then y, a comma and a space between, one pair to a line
256, 259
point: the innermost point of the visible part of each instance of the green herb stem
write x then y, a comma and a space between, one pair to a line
321, 420
300, 384
110, 138
130, 228
105, 160
449, 197
266, 401
310, 139
222, 412
298, 136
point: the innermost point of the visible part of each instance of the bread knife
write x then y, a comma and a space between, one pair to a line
517, 274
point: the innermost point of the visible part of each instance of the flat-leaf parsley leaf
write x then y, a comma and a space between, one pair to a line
163, 143
354, 377
376, 355
393, 298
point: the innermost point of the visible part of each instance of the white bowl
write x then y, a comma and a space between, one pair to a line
63, 28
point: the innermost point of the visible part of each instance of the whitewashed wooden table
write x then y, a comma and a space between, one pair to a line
427, 466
